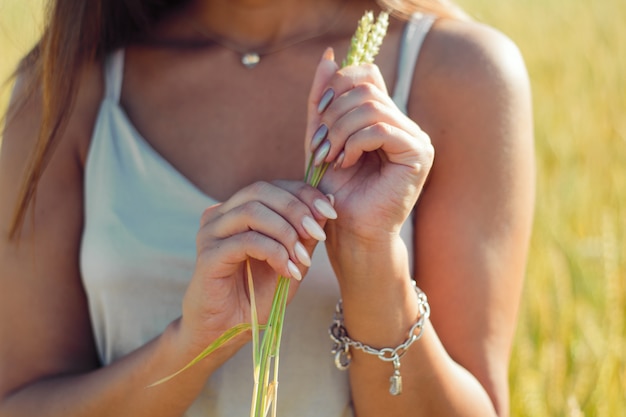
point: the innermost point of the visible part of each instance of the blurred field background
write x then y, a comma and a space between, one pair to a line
570, 349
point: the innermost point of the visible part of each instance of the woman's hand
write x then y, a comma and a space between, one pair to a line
276, 226
379, 157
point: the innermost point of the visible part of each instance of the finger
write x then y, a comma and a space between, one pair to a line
344, 104
323, 208
234, 250
287, 211
326, 69
352, 76
254, 216
355, 82
399, 146
347, 119
360, 95
294, 206
210, 213
320, 204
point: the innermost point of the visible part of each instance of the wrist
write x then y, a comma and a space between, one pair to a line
383, 316
343, 235
346, 345
367, 265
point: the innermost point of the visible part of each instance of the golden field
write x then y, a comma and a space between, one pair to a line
569, 357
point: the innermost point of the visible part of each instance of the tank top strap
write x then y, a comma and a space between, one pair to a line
114, 75
415, 32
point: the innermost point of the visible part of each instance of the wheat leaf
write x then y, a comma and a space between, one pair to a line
220, 341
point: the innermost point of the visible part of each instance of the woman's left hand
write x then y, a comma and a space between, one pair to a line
379, 157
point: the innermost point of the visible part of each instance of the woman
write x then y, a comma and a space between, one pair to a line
176, 154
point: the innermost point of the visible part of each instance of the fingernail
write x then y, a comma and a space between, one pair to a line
319, 135
339, 160
329, 54
313, 229
328, 95
302, 254
294, 271
321, 153
331, 198
325, 208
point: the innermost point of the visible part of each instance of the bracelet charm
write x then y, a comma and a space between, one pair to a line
342, 342
395, 382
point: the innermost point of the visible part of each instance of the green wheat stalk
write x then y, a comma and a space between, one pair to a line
364, 46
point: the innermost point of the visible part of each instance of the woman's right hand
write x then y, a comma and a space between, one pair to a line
276, 226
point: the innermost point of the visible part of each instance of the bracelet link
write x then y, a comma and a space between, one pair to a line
342, 342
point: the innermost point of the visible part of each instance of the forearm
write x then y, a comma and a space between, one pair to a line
433, 384
121, 389
380, 306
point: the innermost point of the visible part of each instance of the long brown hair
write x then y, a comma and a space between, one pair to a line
77, 32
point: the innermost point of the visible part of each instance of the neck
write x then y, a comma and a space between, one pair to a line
261, 23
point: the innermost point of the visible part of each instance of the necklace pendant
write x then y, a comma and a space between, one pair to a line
250, 59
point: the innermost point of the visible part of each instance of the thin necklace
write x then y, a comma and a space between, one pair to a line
251, 57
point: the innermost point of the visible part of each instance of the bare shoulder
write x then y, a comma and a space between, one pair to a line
473, 53
467, 69
21, 133
24, 116
475, 45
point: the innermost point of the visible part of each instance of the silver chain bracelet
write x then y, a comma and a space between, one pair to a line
342, 342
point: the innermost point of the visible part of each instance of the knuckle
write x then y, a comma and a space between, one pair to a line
294, 205
262, 244
427, 148
381, 129
429, 152
288, 233
254, 242
368, 89
251, 209
371, 107
206, 215
260, 187
375, 75
425, 138
284, 184
344, 80
305, 193
339, 130
344, 75
249, 239
373, 68
330, 116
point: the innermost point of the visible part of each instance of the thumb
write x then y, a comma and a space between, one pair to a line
325, 70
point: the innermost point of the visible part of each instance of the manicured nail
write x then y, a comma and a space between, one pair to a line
321, 153
331, 198
339, 160
325, 209
329, 54
327, 97
294, 271
302, 254
319, 135
313, 229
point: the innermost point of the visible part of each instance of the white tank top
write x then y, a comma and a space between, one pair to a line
138, 254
